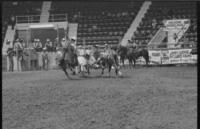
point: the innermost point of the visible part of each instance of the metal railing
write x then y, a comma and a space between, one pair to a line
36, 18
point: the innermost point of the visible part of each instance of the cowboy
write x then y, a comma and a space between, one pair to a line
110, 53
56, 44
19, 52
95, 52
23, 53
73, 44
108, 50
66, 45
38, 45
45, 59
34, 43
48, 45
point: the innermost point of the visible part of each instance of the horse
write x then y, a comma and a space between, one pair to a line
134, 54
122, 52
97, 61
109, 61
69, 61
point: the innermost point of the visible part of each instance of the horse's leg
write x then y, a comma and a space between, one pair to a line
102, 71
82, 71
122, 60
65, 71
116, 70
72, 69
132, 63
109, 69
147, 62
88, 69
134, 60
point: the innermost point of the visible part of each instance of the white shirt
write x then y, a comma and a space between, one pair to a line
88, 51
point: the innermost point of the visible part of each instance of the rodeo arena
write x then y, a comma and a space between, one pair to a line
99, 65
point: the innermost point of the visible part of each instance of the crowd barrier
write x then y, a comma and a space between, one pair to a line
30, 62
34, 60
170, 56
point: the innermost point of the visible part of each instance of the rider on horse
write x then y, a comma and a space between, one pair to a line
67, 47
108, 51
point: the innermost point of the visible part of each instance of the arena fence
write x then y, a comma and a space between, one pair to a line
36, 18
158, 56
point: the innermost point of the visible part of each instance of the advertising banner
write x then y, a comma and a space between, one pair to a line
176, 29
177, 24
165, 56
174, 56
185, 55
193, 59
155, 57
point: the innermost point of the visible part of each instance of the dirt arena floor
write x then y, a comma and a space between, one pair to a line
144, 98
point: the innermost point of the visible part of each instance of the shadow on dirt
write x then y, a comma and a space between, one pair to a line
104, 77
94, 77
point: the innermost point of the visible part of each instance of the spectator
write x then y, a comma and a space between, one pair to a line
48, 45
10, 54
38, 45
19, 53
56, 44
23, 43
51, 46
32, 45
23, 54
45, 59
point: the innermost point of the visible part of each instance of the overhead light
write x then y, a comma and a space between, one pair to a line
42, 26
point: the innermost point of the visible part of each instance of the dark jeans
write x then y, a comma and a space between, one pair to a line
45, 63
33, 64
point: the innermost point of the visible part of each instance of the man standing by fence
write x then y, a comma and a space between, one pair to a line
19, 53
39, 49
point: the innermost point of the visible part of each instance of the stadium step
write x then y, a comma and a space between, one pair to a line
46, 6
136, 22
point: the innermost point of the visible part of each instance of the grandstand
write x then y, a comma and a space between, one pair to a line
160, 11
107, 22
97, 23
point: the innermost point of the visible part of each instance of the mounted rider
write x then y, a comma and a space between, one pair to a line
68, 47
108, 51
96, 55
95, 52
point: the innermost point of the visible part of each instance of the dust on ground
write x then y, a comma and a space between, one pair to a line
145, 98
